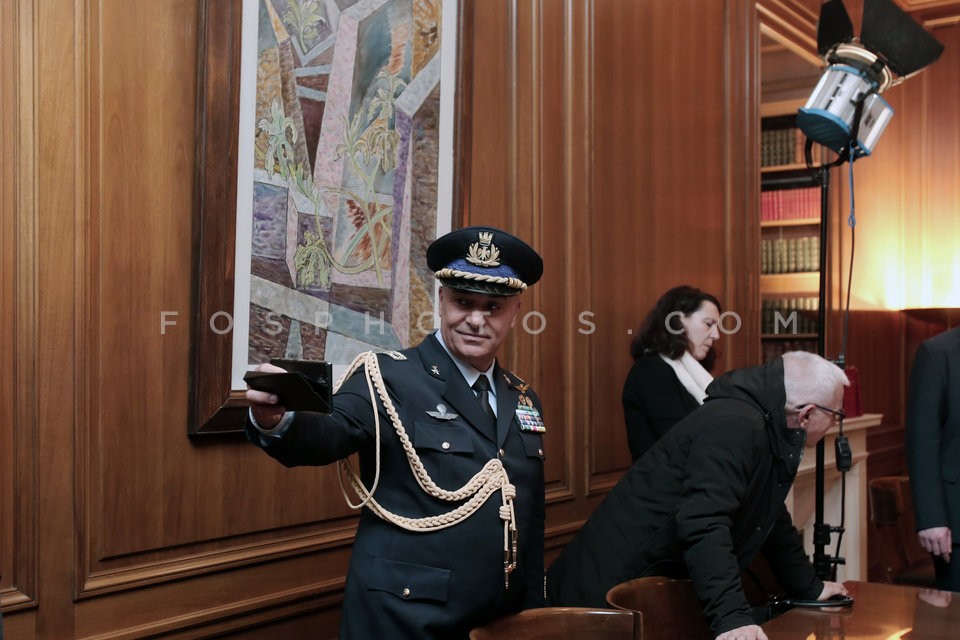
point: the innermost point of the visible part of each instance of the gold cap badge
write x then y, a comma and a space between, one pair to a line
484, 253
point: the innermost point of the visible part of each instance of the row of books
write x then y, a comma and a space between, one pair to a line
790, 204
790, 255
789, 316
775, 348
781, 147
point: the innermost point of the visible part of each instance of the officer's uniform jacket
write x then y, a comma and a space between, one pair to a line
440, 584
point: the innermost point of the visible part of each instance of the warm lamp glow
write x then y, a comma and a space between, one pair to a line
879, 276
894, 292
897, 279
932, 279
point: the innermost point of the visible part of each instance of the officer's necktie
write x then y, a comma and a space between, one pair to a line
482, 388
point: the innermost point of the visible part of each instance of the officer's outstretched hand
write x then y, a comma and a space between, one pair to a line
263, 405
749, 632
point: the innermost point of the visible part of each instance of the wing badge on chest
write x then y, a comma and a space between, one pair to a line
441, 413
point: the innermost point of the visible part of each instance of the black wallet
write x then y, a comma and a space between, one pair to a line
304, 386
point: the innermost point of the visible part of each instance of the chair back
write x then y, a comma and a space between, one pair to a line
669, 608
562, 623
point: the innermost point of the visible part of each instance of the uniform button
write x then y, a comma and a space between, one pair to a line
406, 592
540, 451
502, 453
758, 529
445, 445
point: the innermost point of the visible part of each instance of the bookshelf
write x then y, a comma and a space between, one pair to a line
792, 204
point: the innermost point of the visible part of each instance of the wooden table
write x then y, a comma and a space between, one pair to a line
879, 612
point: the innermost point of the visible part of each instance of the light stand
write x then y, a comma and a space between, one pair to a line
819, 176
824, 565
844, 105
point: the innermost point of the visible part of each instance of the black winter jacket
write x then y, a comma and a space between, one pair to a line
701, 502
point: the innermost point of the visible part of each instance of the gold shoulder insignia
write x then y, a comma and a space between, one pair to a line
396, 355
515, 382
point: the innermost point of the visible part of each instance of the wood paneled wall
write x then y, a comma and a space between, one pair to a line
620, 138
620, 150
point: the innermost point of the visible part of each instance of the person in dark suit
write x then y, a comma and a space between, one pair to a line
673, 353
451, 533
933, 451
709, 496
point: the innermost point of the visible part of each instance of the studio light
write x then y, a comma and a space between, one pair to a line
845, 112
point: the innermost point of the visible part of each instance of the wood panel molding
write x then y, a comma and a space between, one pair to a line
57, 186
913, 6
742, 181
213, 407
18, 332
145, 570
601, 482
197, 608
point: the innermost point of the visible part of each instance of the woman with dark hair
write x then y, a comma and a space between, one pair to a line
673, 354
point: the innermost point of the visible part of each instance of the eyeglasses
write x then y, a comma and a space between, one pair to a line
837, 414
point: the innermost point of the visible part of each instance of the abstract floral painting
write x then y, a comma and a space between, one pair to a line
345, 177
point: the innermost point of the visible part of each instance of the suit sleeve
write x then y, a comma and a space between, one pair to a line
926, 404
718, 472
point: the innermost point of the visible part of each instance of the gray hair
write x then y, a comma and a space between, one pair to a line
808, 378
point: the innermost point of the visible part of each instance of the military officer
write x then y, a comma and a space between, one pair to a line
451, 456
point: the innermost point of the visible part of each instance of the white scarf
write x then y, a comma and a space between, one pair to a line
691, 374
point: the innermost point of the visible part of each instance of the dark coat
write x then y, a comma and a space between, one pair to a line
933, 432
701, 502
654, 400
454, 575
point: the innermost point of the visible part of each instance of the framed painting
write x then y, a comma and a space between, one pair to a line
332, 137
